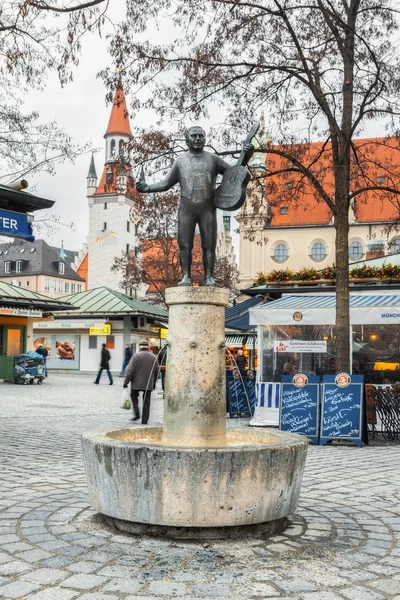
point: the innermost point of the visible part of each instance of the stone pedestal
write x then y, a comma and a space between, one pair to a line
195, 395
191, 477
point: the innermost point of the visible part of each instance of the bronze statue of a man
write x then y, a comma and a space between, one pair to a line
196, 171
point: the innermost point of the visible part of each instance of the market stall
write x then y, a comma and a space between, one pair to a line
297, 334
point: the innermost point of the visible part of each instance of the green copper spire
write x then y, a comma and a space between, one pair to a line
92, 169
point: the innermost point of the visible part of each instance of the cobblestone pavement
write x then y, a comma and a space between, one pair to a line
343, 542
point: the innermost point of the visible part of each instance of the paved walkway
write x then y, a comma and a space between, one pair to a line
343, 542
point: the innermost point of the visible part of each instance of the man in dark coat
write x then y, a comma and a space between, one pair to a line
104, 364
240, 360
127, 358
142, 373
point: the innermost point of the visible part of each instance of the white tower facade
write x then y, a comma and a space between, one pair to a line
111, 201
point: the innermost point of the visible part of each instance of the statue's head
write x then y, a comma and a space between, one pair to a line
195, 138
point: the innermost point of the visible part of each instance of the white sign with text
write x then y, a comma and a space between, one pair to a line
299, 346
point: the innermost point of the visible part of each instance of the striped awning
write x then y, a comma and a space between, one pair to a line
237, 340
321, 310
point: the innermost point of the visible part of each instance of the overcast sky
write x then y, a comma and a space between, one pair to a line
81, 110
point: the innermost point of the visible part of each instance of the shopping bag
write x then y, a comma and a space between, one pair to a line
126, 398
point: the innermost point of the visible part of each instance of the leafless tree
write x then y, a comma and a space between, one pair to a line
321, 70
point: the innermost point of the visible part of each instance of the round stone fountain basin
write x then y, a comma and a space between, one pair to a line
253, 478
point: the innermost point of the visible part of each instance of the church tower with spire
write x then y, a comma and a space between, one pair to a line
112, 200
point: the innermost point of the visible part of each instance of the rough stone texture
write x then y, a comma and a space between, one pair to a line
199, 533
256, 478
190, 473
195, 400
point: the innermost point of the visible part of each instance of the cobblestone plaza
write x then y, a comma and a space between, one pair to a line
342, 543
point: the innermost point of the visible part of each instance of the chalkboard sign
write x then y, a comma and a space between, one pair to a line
241, 392
341, 411
299, 405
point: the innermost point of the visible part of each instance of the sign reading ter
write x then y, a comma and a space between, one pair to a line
15, 225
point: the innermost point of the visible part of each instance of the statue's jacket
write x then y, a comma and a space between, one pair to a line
196, 174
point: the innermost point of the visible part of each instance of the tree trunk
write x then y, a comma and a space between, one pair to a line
342, 286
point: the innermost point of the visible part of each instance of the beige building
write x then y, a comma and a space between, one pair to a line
299, 231
37, 267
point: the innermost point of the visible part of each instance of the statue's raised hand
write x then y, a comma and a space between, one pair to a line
142, 187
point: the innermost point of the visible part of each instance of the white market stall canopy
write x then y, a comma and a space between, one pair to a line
321, 310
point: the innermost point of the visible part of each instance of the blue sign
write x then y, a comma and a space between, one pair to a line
341, 411
241, 392
15, 225
299, 406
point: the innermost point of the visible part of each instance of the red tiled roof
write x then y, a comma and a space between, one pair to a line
294, 202
119, 119
113, 187
83, 269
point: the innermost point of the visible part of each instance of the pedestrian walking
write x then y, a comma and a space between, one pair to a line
127, 358
162, 361
142, 373
44, 354
104, 364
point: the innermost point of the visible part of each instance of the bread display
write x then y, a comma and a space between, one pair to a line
65, 351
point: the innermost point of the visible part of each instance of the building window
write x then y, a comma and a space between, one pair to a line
281, 253
121, 146
27, 283
54, 284
395, 246
105, 205
110, 342
7, 266
318, 251
283, 210
92, 342
128, 226
356, 250
60, 286
47, 284
288, 185
127, 248
19, 283
72, 288
380, 180
18, 266
66, 287
78, 287
61, 268
112, 148
104, 226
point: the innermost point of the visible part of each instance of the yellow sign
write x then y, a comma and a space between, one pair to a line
105, 330
163, 334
